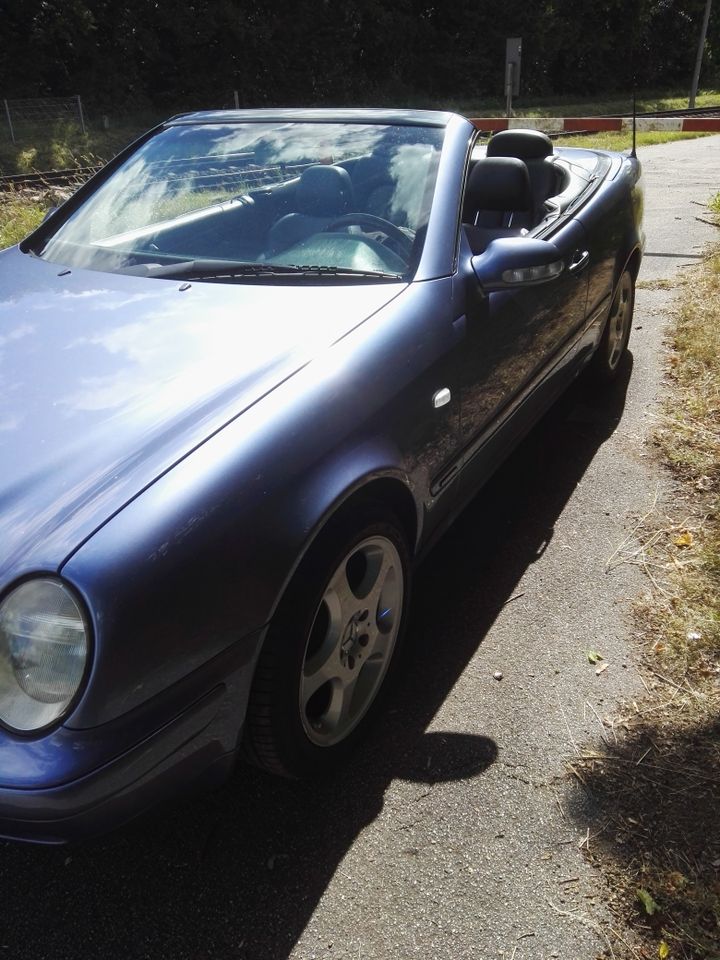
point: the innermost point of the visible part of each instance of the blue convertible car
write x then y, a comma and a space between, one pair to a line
249, 372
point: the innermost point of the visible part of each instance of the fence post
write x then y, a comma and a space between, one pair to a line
237, 100
9, 120
509, 76
80, 113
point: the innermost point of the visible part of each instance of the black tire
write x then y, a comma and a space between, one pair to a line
345, 642
607, 360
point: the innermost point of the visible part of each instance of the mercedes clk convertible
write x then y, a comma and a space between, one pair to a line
249, 372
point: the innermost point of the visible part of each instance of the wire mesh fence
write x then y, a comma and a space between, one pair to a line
22, 114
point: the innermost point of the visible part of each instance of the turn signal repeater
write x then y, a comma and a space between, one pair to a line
545, 271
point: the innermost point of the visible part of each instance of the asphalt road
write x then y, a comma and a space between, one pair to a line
456, 833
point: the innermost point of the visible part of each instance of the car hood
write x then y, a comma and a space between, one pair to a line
107, 380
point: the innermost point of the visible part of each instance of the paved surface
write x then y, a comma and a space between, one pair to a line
455, 834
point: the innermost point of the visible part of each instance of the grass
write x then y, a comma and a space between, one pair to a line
18, 218
64, 145
646, 103
656, 785
612, 140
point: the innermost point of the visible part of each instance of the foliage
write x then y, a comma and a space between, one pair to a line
133, 54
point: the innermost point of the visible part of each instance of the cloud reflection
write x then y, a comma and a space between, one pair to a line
24, 330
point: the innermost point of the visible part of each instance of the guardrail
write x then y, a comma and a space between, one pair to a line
703, 120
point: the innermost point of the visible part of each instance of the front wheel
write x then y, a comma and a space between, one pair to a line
330, 650
606, 361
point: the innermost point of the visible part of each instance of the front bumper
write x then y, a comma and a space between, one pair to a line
183, 752
78, 783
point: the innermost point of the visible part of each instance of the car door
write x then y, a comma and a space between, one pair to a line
519, 349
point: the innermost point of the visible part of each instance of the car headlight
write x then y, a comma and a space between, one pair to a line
43, 653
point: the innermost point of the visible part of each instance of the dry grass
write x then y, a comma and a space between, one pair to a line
658, 834
689, 439
663, 283
690, 436
656, 790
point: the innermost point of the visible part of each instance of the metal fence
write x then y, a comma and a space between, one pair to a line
44, 110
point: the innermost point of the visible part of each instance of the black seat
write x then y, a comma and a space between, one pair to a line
323, 193
373, 185
498, 201
534, 149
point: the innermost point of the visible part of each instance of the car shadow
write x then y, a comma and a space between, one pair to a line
240, 872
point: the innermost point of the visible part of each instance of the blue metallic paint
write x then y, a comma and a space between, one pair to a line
174, 454
229, 506
109, 380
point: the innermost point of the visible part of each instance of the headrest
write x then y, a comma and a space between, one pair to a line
525, 144
499, 183
324, 191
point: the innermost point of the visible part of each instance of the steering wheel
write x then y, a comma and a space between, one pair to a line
377, 223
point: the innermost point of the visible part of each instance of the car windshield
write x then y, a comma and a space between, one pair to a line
230, 201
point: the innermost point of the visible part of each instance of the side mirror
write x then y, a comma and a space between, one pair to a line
511, 262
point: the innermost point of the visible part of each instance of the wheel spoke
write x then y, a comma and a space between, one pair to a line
324, 668
376, 588
340, 714
385, 597
339, 594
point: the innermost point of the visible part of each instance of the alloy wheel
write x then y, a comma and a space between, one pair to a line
619, 320
351, 640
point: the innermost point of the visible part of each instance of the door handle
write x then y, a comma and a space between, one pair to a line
580, 260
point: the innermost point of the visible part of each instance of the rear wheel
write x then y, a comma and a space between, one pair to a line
606, 361
330, 650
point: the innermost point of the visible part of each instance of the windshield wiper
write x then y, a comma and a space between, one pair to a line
325, 271
204, 269
229, 270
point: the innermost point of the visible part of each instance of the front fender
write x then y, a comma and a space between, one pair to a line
200, 558
171, 585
